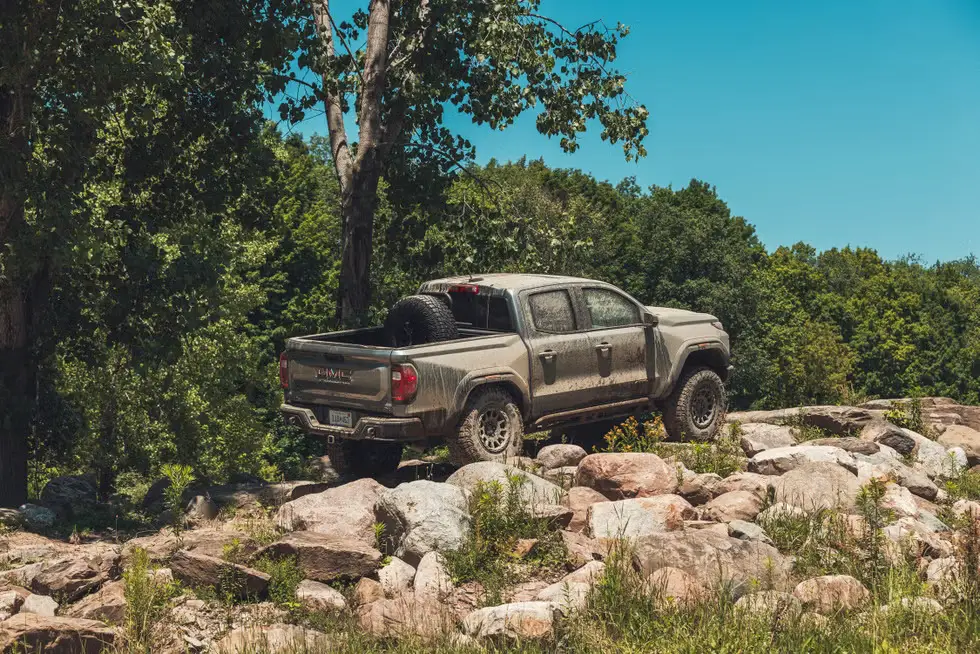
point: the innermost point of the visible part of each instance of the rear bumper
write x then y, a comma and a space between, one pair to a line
369, 428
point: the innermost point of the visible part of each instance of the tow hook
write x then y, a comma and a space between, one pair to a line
331, 439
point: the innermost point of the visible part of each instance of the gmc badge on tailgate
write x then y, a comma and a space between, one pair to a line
336, 375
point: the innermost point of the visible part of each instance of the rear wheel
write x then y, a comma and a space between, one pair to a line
697, 407
492, 428
357, 459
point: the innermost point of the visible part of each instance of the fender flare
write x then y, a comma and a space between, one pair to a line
477, 378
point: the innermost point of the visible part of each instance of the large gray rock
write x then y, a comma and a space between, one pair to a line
934, 459
37, 518
522, 621
831, 593
840, 420
963, 437
885, 433
759, 436
781, 460
850, 444
27, 632
324, 558
39, 605
432, 579
712, 558
625, 475
70, 497
638, 516
203, 571
396, 578
899, 501
817, 485
736, 505
533, 489
422, 517
345, 511
560, 456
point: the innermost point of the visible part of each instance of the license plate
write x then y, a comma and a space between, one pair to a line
341, 418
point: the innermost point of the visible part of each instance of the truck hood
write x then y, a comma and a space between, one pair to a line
670, 316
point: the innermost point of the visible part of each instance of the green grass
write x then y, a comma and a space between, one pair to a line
147, 599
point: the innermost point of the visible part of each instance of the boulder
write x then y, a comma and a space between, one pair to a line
697, 488
37, 518
638, 516
39, 605
943, 571
22, 575
743, 481
561, 477
522, 621
965, 438
907, 536
781, 460
759, 436
736, 505
432, 579
921, 605
817, 485
850, 444
346, 511
367, 590
405, 616
30, 632
557, 516
200, 570
572, 592
320, 597
73, 578
273, 639
202, 508
324, 558
673, 585
10, 603
917, 482
424, 516
770, 604
712, 558
934, 459
560, 456
780, 510
396, 578
840, 420
11, 518
831, 593
579, 499
107, 605
582, 549
71, 496
211, 541
962, 508
533, 489
899, 500
748, 531
626, 475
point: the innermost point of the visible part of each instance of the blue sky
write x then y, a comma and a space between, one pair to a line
835, 122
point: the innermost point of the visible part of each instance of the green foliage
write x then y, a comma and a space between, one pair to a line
501, 518
285, 576
908, 415
722, 457
147, 598
180, 477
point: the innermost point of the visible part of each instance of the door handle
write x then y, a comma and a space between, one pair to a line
548, 355
603, 349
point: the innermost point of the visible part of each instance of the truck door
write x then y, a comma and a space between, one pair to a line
618, 342
562, 370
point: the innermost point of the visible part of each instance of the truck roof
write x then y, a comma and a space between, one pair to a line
510, 281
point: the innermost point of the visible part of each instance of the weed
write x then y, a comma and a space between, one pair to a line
964, 484
180, 477
146, 599
285, 577
723, 456
908, 415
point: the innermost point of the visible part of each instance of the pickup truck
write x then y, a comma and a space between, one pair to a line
518, 353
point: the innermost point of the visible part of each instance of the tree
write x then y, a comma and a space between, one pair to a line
491, 61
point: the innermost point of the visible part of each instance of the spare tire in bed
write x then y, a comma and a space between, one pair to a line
419, 319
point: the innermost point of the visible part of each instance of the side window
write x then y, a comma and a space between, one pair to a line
552, 312
609, 309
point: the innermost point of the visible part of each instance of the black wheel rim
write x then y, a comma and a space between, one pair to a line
493, 428
704, 406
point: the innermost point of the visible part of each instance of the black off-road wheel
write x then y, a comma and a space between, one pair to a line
696, 409
491, 429
358, 459
419, 319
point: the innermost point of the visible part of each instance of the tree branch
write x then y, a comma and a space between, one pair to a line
339, 145
375, 68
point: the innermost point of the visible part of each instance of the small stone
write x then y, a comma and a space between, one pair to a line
748, 531
320, 597
831, 593
396, 577
39, 605
560, 456
367, 590
523, 621
736, 505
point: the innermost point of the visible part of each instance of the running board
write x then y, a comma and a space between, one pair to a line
597, 411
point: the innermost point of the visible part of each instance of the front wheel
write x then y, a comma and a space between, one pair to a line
696, 408
357, 459
492, 428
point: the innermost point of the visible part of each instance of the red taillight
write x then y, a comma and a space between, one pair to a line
404, 382
283, 371
464, 288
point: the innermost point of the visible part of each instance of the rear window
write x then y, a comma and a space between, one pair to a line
552, 312
481, 311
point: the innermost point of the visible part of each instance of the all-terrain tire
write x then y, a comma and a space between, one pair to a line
491, 429
419, 319
357, 459
697, 407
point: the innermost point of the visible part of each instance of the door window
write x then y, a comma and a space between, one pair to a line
609, 309
552, 312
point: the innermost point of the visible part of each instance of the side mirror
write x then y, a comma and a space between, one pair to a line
650, 319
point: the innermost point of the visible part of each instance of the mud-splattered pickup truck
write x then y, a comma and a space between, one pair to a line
477, 361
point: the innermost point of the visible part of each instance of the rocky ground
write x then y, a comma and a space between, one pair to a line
304, 566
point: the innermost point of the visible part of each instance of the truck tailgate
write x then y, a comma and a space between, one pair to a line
339, 374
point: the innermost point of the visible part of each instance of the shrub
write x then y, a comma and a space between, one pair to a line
908, 415
285, 577
180, 477
723, 456
146, 599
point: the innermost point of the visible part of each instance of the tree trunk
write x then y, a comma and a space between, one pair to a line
17, 386
354, 288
